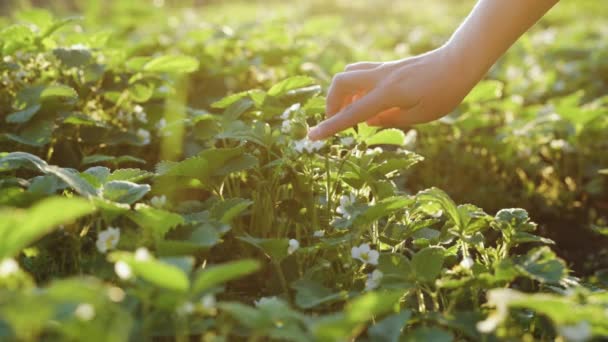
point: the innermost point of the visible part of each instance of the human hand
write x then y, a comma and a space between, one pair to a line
396, 94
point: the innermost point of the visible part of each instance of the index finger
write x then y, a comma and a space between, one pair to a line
361, 110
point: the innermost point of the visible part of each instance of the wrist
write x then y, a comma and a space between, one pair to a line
469, 66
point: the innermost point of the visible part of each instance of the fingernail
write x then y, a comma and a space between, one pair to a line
314, 133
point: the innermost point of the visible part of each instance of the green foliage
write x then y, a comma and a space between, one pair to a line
156, 183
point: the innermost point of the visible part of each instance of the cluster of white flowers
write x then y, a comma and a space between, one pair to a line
346, 203
140, 114
308, 145
8, 267
158, 201
293, 246
373, 280
143, 135
365, 254
107, 239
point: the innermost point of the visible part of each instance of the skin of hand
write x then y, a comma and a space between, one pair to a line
426, 87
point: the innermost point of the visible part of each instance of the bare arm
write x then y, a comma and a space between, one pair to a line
429, 86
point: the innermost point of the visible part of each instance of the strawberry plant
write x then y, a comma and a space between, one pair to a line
156, 183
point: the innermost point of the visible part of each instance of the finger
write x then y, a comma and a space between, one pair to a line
362, 66
344, 85
375, 120
398, 118
366, 107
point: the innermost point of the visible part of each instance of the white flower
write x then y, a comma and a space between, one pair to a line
365, 254
346, 202
307, 145
142, 254
107, 239
373, 280
287, 113
85, 312
410, 138
123, 270
144, 136
208, 302
140, 114
561, 145
185, 309
467, 262
158, 201
499, 298
347, 141
576, 332
8, 267
319, 233
286, 126
293, 246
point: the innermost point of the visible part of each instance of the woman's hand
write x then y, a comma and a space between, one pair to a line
428, 86
395, 94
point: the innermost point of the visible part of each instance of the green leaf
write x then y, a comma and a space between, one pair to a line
130, 175
219, 274
15, 37
24, 115
291, 83
225, 211
427, 263
429, 334
154, 220
172, 64
389, 329
485, 91
345, 326
141, 91
57, 92
543, 265
256, 95
275, 249
383, 208
310, 294
19, 227
124, 192
391, 136
73, 57
434, 195
159, 273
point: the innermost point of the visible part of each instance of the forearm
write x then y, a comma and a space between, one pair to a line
491, 28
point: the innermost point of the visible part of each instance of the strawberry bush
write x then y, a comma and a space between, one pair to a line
156, 182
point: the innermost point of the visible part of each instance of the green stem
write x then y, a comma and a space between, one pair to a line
282, 279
